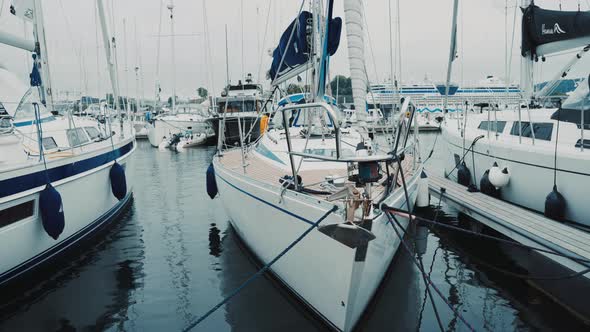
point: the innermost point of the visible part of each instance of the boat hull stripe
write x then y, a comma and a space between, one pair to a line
29, 181
267, 203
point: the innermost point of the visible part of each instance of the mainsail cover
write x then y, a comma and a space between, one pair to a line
543, 27
297, 52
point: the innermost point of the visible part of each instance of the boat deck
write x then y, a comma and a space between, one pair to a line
263, 171
517, 223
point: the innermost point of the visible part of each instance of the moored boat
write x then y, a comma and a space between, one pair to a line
61, 178
328, 191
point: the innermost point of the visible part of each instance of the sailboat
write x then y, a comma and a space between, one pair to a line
61, 178
533, 156
182, 127
329, 190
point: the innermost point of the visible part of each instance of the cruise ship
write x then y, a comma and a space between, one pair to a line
430, 96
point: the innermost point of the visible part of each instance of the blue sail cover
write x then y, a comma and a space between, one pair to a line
297, 52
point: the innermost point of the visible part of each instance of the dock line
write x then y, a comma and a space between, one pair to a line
259, 272
393, 211
427, 279
582, 261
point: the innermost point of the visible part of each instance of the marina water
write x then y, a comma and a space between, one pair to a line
173, 255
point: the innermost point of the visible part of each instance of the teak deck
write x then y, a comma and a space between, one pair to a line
263, 171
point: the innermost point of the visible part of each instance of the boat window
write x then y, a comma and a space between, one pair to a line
329, 152
93, 133
77, 137
543, 130
238, 106
49, 143
17, 213
492, 126
586, 143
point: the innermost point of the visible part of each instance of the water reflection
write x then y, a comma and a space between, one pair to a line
264, 305
214, 241
173, 256
88, 291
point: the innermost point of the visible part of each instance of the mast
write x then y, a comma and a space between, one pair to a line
452, 53
353, 13
171, 8
126, 69
391, 65
42, 56
325, 58
157, 100
138, 69
221, 132
110, 47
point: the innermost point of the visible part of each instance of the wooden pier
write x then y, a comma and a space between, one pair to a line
534, 230
514, 222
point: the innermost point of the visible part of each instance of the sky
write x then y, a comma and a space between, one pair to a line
77, 57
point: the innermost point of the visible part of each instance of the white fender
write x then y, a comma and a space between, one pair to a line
499, 177
422, 196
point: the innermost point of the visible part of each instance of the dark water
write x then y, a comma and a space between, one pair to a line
173, 255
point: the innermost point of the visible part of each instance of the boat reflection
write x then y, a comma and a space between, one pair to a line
92, 291
264, 305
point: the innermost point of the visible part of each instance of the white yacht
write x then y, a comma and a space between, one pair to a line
61, 178
187, 124
536, 149
329, 191
141, 123
238, 111
534, 157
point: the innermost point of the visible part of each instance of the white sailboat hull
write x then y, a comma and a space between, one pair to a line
161, 130
333, 280
88, 205
531, 170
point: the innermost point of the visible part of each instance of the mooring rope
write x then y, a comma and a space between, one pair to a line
260, 272
427, 279
579, 260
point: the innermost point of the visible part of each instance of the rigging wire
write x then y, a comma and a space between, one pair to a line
427, 286
264, 40
209, 58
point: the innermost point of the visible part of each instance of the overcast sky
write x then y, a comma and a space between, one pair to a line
425, 29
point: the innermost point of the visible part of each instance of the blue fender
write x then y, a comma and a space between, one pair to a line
118, 181
211, 182
52, 212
